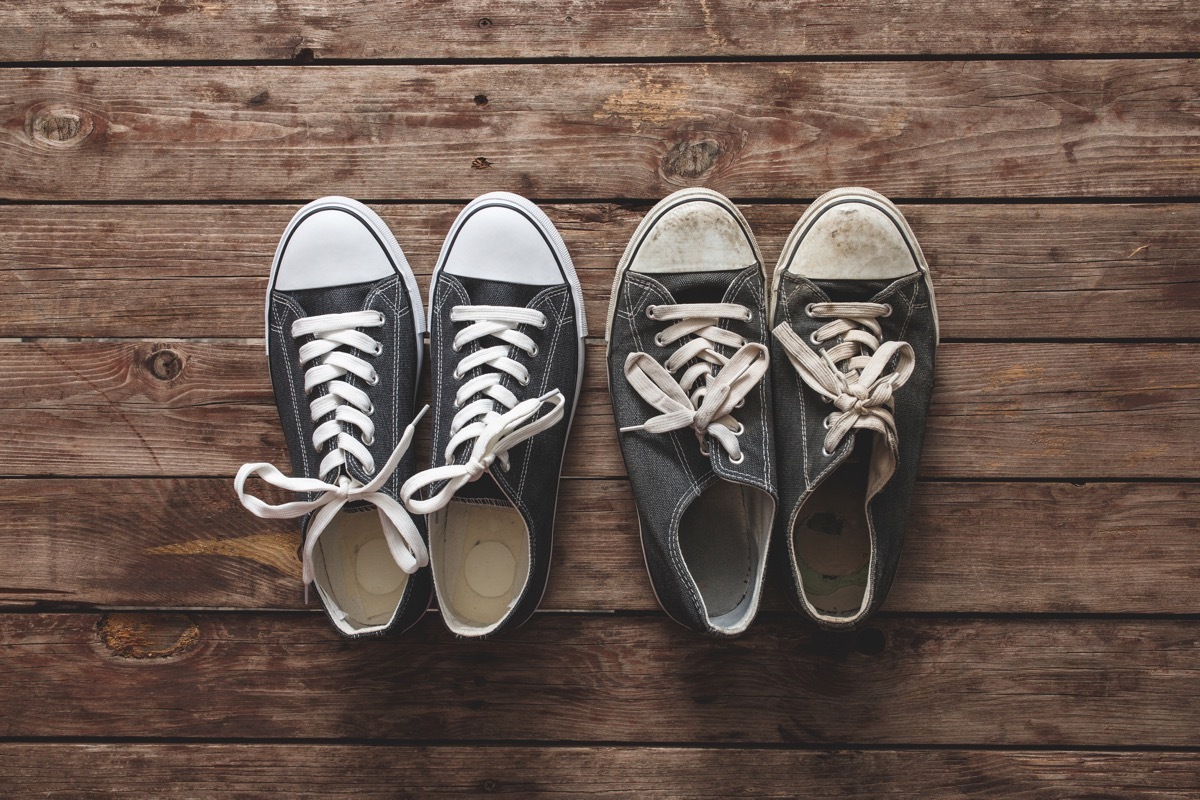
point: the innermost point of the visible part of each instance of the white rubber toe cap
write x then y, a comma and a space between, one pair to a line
330, 245
699, 234
852, 241
501, 243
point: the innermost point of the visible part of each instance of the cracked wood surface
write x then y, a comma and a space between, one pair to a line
942, 129
316, 772
972, 547
1001, 271
1012, 682
120, 30
204, 408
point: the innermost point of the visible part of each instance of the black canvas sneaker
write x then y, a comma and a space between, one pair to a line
344, 329
506, 344
854, 330
688, 373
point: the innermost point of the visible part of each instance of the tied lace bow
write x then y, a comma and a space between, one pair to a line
706, 394
330, 354
862, 389
403, 539
491, 433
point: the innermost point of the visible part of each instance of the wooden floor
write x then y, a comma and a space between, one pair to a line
1043, 637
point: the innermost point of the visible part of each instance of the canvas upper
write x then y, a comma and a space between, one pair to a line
506, 346
687, 370
854, 331
344, 328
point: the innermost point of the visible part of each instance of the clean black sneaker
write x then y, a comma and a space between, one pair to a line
506, 345
854, 330
688, 374
344, 330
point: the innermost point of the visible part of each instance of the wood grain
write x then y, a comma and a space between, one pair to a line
317, 772
202, 408
1106, 548
752, 130
1086, 683
128, 30
1002, 271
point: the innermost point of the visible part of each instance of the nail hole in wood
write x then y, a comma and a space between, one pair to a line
481, 99
870, 642
304, 56
490, 786
484, 22
480, 163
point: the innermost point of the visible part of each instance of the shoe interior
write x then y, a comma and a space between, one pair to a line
480, 556
832, 540
356, 574
723, 536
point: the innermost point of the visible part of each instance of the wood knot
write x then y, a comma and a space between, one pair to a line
481, 163
691, 159
165, 364
60, 127
143, 636
259, 99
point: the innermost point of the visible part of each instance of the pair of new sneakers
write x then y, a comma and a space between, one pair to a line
793, 413
344, 326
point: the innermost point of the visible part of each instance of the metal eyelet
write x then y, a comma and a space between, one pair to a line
808, 310
523, 382
541, 326
740, 403
369, 442
749, 316
382, 318
651, 312
740, 428
825, 452
370, 409
457, 375
374, 381
888, 306
741, 457
812, 337
827, 422
704, 450
658, 340
378, 349
369, 470
534, 351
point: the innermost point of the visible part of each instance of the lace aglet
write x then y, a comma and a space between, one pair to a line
306, 594
632, 428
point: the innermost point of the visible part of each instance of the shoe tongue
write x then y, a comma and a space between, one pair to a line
697, 287
484, 292
484, 490
853, 291
333, 299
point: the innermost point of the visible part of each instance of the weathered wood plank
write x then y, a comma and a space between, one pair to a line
594, 678
910, 129
999, 410
128, 30
972, 547
1020, 271
298, 772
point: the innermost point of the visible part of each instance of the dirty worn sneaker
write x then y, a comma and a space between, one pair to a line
854, 330
688, 373
344, 329
506, 345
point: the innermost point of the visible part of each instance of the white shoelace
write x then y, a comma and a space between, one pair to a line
491, 433
334, 335
706, 394
852, 374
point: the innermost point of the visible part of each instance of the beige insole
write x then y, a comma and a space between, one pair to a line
714, 536
832, 540
356, 570
482, 562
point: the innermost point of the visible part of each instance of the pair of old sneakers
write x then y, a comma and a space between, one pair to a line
344, 327
794, 412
